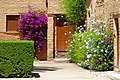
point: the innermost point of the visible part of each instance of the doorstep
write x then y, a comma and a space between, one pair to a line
113, 75
62, 60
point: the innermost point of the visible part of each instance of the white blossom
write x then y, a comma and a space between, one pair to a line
89, 55
101, 50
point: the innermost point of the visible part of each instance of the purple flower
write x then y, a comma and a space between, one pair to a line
90, 67
36, 42
36, 32
30, 27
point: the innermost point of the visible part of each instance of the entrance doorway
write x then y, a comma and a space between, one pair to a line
42, 55
63, 33
116, 42
63, 38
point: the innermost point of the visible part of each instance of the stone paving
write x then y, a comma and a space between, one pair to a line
66, 71
62, 71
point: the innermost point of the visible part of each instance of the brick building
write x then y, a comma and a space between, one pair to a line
108, 10
9, 13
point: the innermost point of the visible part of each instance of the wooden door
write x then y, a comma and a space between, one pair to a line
42, 55
63, 37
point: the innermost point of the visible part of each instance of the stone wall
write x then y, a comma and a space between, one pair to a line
50, 37
15, 7
106, 9
109, 10
54, 7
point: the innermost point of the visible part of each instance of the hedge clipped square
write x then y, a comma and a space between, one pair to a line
16, 58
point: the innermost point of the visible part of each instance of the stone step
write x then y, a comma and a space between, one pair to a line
62, 60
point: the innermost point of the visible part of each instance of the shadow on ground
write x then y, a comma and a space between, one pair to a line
36, 75
44, 69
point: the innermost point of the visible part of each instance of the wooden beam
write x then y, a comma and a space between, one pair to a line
116, 15
51, 15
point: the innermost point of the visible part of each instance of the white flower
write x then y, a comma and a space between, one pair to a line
105, 35
95, 31
101, 50
98, 33
108, 45
70, 45
106, 51
88, 60
88, 50
95, 50
70, 50
79, 39
65, 23
99, 38
87, 43
84, 25
91, 28
87, 46
98, 47
91, 34
100, 26
102, 34
99, 43
78, 27
80, 31
62, 16
84, 40
102, 41
99, 21
89, 55
105, 54
57, 18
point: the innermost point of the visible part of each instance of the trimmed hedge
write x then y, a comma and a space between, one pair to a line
16, 58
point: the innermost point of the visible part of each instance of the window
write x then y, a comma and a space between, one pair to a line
12, 22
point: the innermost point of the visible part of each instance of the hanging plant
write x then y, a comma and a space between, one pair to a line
30, 27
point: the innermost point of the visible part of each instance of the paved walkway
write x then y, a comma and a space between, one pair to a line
62, 71
65, 71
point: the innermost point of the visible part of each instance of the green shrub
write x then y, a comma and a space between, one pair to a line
16, 58
75, 52
93, 49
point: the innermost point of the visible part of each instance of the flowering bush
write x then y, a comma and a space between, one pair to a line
31, 24
93, 49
